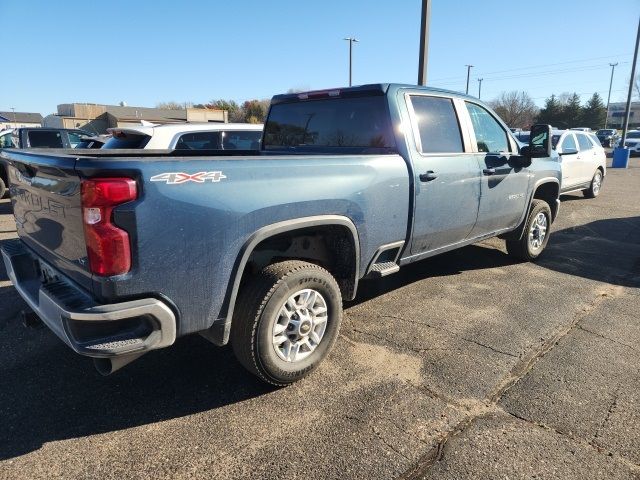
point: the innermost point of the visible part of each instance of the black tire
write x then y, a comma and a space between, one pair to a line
3, 188
522, 248
596, 185
257, 310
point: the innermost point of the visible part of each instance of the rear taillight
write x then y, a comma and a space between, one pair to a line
108, 246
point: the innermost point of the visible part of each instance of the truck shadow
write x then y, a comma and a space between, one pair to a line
48, 393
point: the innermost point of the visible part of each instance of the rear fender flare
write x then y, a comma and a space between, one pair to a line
218, 333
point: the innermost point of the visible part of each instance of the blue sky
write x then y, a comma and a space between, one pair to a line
145, 52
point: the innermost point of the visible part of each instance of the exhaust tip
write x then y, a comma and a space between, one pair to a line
106, 366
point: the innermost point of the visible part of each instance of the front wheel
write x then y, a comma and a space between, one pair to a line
286, 321
536, 233
3, 188
596, 184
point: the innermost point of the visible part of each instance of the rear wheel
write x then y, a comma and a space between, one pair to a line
286, 321
596, 184
536, 233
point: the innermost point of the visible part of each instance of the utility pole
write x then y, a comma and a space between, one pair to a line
625, 126
15, 124
468, 73
480, 88
351, 40
424, 42
613, 67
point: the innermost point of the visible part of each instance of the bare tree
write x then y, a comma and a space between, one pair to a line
515, 108
174, 105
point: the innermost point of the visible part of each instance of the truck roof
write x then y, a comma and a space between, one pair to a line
359, 90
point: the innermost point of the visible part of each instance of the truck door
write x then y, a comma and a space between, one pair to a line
504, 186
447, 177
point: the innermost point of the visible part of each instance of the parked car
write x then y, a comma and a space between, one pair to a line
632, 142
522, 137
581, 129
188, 136
36, 138
583, 160
260, 248
607, 136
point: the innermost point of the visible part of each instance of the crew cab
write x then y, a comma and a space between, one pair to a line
120, 253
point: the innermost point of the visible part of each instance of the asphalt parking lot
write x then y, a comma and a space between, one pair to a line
464, 366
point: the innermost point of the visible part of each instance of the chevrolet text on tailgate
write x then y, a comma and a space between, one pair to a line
121, 252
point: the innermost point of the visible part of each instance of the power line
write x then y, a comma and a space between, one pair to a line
535, 66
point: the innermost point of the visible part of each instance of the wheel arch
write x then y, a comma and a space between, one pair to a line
547, 189
219, 331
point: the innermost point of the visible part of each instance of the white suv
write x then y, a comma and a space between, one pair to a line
583, 160
187, 136
632, 142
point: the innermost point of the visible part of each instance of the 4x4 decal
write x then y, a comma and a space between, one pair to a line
176, 178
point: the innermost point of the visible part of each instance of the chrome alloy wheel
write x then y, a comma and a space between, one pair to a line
538, 231
596, 183
300, 325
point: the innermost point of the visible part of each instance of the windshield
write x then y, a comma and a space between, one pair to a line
605, 132
361, 122
554, 140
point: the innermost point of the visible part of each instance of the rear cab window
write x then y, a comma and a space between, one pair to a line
351, 124
437, 124
122, 139
45, 139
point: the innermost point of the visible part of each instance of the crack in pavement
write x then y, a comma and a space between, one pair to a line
584, 329
454, 334
519, 371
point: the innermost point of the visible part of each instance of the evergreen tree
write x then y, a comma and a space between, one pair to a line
551, 113
571, 113
594, 113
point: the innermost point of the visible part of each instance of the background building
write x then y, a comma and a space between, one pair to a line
615, 117
19, 119
96, 118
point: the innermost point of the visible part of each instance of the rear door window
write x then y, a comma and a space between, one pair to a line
45, 139
200, 141
490, 136
241, 140
438, 125
584, 142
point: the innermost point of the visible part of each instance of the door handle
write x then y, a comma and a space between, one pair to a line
428, 176
489, 171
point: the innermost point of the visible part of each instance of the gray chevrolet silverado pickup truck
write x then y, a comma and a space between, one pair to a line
121, 252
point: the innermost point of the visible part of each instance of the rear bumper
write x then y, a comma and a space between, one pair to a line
91, 329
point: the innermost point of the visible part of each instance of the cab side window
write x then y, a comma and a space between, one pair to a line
490, 136
568, 144
584, 142
437, 124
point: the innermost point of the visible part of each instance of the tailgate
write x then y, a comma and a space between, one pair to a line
45, 194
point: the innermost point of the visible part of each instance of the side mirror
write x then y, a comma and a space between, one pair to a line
540, 142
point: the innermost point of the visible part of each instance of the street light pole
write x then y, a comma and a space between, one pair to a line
15, 124
613, 67
351, 40
424, 42
480, 88
468, 73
